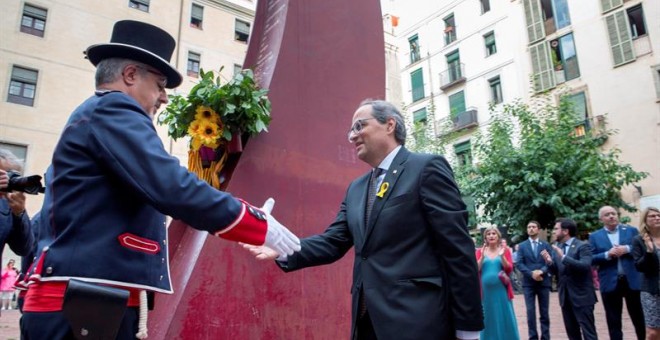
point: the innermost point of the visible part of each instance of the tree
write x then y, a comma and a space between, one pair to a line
532, 164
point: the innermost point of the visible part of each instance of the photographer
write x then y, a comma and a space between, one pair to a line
14, 222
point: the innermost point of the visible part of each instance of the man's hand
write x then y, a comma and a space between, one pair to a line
260, 252
278, 237
16, 202
546, 256
4, 179
559, 251
537, 275
617, 251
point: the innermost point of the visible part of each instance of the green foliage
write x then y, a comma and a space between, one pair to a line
242, 106
531, 165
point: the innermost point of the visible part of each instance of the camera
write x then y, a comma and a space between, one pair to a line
27, 184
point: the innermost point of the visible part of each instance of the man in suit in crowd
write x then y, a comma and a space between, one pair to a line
415, 274
536, 281
617, 274
571, 261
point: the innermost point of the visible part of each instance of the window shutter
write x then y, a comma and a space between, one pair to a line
197, 12
35, 12
534, 18
457, 103
143, 2
608, 5
417, 83
24, 75
490, 39
454, 56
462, 147
242, 27
419, 115
544, 77
620, 38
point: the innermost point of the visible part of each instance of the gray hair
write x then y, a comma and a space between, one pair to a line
11, 159
109, 70
382, 111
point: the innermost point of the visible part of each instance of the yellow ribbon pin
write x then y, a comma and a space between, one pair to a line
383, 189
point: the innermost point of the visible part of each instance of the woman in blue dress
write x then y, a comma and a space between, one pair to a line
499, 318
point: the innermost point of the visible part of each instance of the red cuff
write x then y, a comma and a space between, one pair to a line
249, 227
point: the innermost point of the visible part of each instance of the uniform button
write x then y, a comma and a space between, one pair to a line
49, 270
84, 332
46, 248
163, 260
161, 277
165, 242
364, 258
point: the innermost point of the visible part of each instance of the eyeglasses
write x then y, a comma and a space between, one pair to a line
653, 216
163, 80
357, 127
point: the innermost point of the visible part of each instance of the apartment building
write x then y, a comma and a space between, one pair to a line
43, 75
460, 56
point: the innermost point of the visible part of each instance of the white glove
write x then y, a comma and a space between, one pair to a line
278, 237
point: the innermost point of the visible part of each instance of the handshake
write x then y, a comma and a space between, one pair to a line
280, 242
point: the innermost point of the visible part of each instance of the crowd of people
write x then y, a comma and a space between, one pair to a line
619, 260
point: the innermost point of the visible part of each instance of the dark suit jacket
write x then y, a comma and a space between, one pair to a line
414, 260
648, 264
528, 262
574, 273
607, 269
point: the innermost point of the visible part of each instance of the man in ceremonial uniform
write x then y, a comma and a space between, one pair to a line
113, 183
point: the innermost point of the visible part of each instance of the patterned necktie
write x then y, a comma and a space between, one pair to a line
371, 193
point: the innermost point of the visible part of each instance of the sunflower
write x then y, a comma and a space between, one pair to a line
206, 113
206, 133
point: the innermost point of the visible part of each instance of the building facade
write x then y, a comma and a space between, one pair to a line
461, 56
44, 75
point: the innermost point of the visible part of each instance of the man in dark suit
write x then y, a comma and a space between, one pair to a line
415, 274
571, 261
618, 276
536, 281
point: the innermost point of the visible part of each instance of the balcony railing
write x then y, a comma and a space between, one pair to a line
454, 75
465, 119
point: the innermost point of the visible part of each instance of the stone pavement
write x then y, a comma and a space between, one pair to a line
9, 321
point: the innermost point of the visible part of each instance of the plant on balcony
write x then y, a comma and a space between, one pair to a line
215, 116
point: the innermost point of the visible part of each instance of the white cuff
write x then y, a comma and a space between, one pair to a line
472, 335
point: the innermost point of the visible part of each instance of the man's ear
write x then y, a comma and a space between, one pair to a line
129, 74
391, 124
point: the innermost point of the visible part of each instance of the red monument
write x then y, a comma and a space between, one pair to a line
319, 59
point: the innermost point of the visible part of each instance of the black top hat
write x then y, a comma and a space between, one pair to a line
141, 42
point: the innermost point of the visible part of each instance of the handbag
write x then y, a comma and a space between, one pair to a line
504, 277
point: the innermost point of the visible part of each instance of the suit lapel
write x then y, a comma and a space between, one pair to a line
385, 189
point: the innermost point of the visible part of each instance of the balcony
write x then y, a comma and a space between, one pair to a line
452, 76
465, 119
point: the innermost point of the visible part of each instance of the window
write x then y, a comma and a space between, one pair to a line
578, 103
142, 5
237, 69
34, 20
20, 151
414, 49
564, 59
419, 116
454, 66
196, 16
656, 80
489, 40
23, 86
545, 17
485, 6
193, 64
495, 90
456, 103
242, 31
463, 153
636, 20
620, 38
450, 30
417, 84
